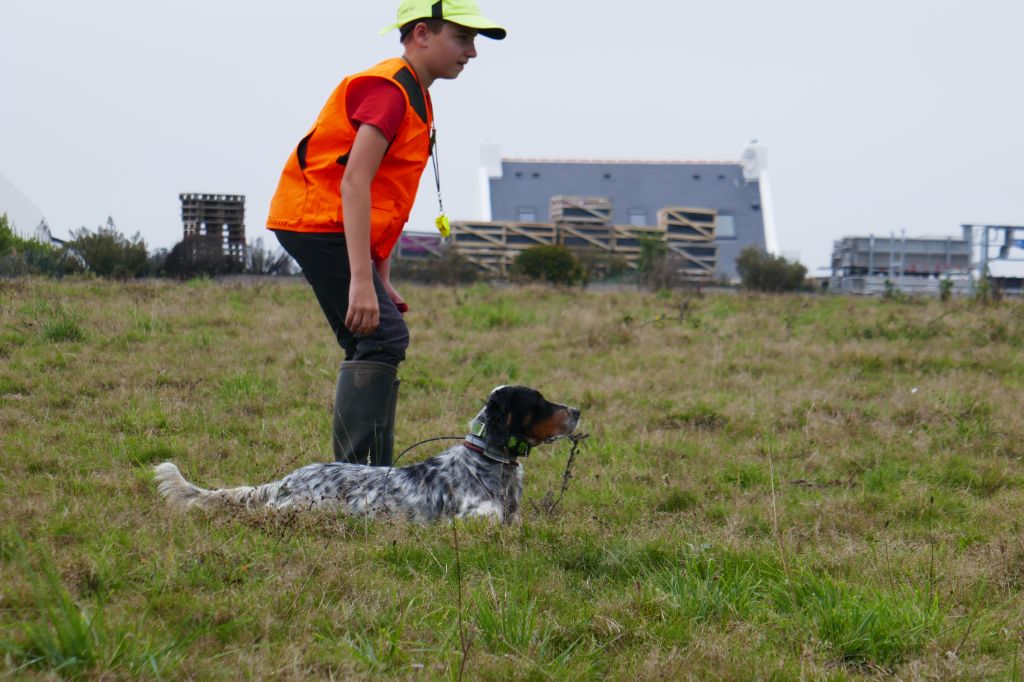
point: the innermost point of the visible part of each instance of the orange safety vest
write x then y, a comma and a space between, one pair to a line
308, 196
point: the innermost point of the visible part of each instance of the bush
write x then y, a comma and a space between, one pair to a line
554, 264
450, 268
764, 272
108, 253
20, 256
600, 264
200, 256
658, 268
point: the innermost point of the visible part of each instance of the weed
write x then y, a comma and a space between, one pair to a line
61, 636
62, 327
509, 625
501, 314
679, 501
860, 625
714, 591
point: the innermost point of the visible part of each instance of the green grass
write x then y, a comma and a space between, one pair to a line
774, 487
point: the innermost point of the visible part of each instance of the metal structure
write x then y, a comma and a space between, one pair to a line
868, 265
419, 245
996, 244
222, 215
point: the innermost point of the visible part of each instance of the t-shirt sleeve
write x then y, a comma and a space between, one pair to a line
376, 102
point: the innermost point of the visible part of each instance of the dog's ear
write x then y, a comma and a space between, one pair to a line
496, 418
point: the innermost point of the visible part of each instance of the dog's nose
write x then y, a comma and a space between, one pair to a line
574, 412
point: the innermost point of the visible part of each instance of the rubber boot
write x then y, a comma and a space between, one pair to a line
388, 446
364, 412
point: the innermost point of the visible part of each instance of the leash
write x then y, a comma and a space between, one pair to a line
423, 442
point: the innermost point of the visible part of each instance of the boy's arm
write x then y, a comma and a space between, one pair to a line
384, 268
364, 160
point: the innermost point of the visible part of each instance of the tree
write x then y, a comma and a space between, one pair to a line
762, 271
200, 256
554, 264
264, 262
108, 253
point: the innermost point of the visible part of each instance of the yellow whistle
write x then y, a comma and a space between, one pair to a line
443, 226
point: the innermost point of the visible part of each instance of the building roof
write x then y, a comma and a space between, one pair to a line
22, 214
625, 162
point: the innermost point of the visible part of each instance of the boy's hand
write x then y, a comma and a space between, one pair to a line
363, 312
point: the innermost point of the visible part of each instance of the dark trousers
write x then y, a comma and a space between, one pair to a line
324, 262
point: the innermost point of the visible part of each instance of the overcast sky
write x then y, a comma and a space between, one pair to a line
878, 115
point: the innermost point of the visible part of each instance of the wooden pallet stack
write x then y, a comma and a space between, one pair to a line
585, 223
493, 246
690, 234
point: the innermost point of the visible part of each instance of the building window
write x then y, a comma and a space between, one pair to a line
726, 228
527, 214
637, 217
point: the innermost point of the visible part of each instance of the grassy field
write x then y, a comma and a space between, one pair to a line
774, 487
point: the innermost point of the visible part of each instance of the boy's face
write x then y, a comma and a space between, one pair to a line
448, 52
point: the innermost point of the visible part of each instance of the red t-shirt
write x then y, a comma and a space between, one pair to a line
376, 102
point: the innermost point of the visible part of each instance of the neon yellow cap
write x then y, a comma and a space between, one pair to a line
462, 12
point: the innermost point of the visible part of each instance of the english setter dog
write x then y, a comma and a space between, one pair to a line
481, 476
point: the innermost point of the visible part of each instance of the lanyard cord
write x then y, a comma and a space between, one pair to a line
436, 165
442, 223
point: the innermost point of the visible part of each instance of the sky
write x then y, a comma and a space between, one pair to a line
878, 115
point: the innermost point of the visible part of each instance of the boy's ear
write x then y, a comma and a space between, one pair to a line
496, 415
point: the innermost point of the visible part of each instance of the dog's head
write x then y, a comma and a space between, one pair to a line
520, 414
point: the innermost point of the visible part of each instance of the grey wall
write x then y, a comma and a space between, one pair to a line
649, 186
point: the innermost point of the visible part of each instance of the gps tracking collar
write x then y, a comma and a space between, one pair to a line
514, 448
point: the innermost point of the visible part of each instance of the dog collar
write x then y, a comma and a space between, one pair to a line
514, 448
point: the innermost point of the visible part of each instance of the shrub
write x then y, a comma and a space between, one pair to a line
600, 264
945, 290
764, 272
653, 252
108, 253
450, 268
658, 268
554, 264
263, 261
200, 256
20, 256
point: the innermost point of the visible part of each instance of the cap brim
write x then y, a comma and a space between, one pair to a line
481, 25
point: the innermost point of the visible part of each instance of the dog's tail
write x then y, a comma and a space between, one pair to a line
178, 492
183, 495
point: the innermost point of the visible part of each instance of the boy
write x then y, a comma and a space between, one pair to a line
344, 197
